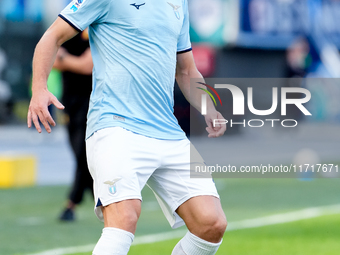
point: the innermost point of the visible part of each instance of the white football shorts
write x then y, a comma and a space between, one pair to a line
122, 163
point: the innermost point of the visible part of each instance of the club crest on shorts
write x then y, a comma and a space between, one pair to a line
175, 7
112, 185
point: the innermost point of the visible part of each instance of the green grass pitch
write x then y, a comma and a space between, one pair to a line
28, 219
319, 236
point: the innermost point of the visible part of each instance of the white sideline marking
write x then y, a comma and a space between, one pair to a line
303, 214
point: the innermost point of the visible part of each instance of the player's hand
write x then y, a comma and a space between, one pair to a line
219, 129
38, 110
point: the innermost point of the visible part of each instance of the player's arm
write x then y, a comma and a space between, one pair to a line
186, 70
76, 64
43, 59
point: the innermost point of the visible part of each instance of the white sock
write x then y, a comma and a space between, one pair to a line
178, 250
113, 241
193, 245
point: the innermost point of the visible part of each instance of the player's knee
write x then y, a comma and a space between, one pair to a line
129, 218
221, 227
121, 216
213, 228
218, 228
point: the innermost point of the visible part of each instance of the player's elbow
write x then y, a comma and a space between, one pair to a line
188, 71
180, 74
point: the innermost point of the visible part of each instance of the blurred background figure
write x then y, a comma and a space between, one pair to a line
75, 62
5, 90
298, 58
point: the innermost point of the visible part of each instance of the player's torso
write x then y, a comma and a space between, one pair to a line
161, 10
135, 43
134, 51
147, 17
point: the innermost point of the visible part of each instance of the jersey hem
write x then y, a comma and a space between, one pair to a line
184, 51
174, 137
70, 23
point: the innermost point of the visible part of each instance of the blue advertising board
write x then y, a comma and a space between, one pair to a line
276, 23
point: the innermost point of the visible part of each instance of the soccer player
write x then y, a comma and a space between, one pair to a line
133, 138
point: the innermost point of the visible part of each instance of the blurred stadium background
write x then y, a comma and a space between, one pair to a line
231, 38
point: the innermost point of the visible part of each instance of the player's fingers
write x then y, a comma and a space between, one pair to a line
216, 125
36, 122
44, 122
209, 122
29, 119
221, 131
216, 133
213, 135
221, 127
57, 104
49, 118
211, 132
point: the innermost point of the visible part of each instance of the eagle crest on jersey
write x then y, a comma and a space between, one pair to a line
112, 185
175, 7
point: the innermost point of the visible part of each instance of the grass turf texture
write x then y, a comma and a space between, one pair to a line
318, 236
28, 219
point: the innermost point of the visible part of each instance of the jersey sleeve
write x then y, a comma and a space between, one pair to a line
183, 43
82, 13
